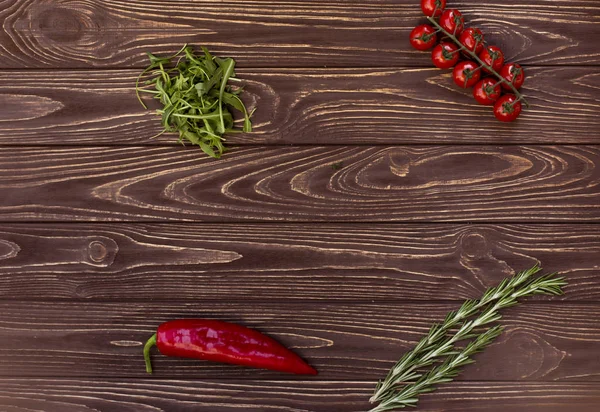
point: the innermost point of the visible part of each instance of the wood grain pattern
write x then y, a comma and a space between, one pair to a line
297, 33
376, 184
105, 232
250, 262
84, 395
341, 106
541, 342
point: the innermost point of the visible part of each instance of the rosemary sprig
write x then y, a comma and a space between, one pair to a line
437, 344
196, 97
446, 372
427, 350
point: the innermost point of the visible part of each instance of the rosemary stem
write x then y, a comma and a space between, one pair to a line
424, 354
436, 344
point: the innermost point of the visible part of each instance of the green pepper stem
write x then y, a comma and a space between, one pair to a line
151, 342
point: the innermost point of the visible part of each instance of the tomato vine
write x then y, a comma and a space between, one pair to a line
448, 25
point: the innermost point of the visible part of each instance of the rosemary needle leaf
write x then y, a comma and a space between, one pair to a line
443, 373
432, 346
440, 343
196, 96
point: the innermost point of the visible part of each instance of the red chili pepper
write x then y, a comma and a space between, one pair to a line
218, 341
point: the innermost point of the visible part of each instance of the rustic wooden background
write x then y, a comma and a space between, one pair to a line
105, 232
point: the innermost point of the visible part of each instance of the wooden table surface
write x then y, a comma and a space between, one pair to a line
105, 232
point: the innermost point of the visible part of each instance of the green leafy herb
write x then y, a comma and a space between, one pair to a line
440, 343
196, 96
443, 373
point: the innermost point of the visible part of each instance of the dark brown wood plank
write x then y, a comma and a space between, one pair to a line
542, 341
376, 184
288, 262
297, 33
70, 395
329, 106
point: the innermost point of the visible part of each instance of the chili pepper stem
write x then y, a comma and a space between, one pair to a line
151, 342
476, 58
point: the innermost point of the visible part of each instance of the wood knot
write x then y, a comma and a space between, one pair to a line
8, 249
97, 251
533, 356
101, 252
476, 248
62, 24
435, 171
474, 245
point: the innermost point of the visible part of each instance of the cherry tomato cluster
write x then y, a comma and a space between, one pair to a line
476, 64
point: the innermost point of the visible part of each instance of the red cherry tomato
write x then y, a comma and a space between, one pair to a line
493, 57
452, 21
487, 91
433, 8
507, 109
423, 37
445, 55
466, 73
472, 39
513, 73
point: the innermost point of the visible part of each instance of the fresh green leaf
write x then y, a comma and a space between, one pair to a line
227, 66
208, 61
196, 97
208, 149
157, 61
215, 80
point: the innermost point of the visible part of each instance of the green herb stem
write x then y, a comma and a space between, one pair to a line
438, 343
426, 350
443, 373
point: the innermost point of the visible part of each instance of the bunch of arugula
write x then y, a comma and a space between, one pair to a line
196, 97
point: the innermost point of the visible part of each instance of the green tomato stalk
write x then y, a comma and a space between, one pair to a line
478, 60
